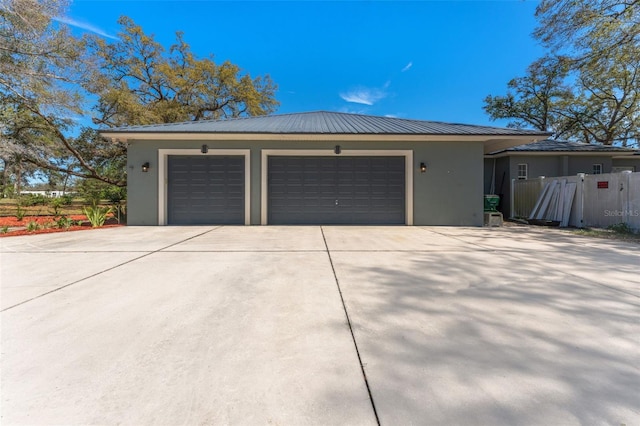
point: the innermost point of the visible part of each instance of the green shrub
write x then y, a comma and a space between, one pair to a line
4, 229
20, 212
66, 199
96, 215
33, 200
114, 194
64, 222
56, 205
621, 228
32, 226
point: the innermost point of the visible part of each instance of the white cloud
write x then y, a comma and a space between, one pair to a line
391, 116
84, 26
407, 67
365, 95
353, 110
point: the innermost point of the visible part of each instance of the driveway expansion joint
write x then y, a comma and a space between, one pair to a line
104, 270
353, 337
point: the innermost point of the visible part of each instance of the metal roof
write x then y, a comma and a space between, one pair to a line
324, 122
550, 145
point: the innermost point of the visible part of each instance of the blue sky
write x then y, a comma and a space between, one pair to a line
428, 60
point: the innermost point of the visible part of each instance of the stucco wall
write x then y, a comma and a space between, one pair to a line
488, 174
449, 193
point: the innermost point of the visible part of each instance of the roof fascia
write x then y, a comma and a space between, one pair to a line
492, 142
631, 155
613, 154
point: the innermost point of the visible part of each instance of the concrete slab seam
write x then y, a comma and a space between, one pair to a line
187, 239
102, 272
403, 251
459, 239
242, 251
353, 337
73, 251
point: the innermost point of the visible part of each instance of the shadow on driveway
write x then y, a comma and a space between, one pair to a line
502, 335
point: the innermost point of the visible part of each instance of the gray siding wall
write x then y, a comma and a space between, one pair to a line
538, 165
632, 161
449, 193
585, 165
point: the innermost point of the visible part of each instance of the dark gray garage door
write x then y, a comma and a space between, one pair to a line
205, 190
336, 190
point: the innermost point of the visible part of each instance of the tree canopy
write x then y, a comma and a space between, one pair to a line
588, 86
37, 93
588, 28
536, 100
138, 82
51, 81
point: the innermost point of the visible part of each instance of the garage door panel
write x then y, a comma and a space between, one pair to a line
336, 190
204, 190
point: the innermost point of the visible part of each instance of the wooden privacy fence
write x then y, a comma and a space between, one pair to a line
579, 201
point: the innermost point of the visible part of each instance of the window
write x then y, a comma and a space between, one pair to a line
522, 171
597, 169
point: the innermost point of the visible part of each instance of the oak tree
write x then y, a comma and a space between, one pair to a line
50, 81
139, 82
598, 41
537, 99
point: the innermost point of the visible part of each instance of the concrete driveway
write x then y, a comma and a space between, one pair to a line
319, 325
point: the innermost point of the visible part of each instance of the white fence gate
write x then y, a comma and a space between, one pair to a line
599, 201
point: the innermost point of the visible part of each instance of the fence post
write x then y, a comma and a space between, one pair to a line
541, 179
626, 204
580, 201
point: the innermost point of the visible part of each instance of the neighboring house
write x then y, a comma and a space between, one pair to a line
310, 168
551, 158
52, 194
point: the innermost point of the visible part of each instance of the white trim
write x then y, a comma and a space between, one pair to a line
599, 166
526, 171
163, 155
408, 169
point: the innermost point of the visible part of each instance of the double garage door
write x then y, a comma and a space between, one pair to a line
336, 190
301, 190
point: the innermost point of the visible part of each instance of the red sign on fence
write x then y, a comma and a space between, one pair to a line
603, 184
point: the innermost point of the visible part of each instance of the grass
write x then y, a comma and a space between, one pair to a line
609, 234
619, 232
